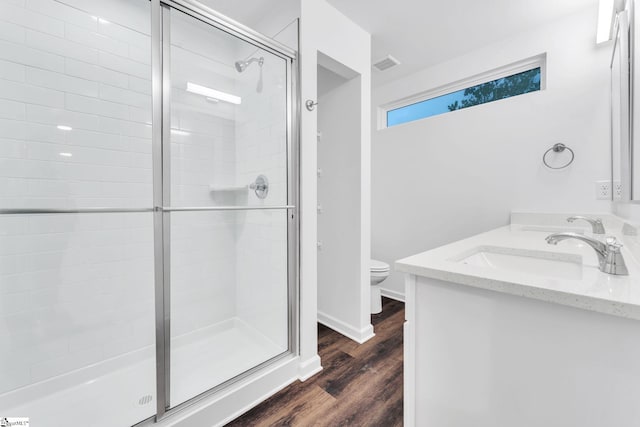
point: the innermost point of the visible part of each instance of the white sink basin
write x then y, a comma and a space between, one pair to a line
538, 263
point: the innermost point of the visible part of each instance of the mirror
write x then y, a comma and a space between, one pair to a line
634, 90
620, 111
625, 107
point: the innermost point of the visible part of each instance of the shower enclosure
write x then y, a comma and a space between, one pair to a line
148, 208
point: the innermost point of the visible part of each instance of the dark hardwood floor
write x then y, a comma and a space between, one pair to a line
360, 385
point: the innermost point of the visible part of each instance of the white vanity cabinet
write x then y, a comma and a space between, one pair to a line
493, 348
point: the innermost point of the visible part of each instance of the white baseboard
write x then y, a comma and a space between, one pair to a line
309, 368
358, 335
398, 296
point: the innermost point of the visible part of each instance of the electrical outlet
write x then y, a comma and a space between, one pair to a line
603, 190
617, 190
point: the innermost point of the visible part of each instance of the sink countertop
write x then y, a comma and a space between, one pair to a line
595, 291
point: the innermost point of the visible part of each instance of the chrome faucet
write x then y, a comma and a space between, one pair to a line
609, 256
596, 223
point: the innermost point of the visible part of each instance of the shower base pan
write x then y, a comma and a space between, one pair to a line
122, 391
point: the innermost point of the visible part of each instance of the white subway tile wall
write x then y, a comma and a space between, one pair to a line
62, 66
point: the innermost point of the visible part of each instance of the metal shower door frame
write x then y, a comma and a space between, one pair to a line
161, 144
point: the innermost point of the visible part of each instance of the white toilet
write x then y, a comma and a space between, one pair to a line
379, 272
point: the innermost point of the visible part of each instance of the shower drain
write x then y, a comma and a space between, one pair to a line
145, 399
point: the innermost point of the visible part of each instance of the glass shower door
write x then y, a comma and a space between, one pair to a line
97, 206
226, 216
76, 213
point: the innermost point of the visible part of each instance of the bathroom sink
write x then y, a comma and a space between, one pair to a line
538, 263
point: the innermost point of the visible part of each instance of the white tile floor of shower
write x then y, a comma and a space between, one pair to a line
121, 391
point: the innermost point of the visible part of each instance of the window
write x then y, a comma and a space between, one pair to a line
513, 80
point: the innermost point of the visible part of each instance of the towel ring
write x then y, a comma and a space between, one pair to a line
558, 148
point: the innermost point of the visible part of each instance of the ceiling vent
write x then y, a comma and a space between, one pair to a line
386, 63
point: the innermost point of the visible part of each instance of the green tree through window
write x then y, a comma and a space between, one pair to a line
505, 87
516, 84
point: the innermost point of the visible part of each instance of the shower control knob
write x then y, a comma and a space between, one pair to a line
310, 104
319, 245
320, 209
319, 173
260, 187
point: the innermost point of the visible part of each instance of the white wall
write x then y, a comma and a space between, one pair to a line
281, 22
270, 18
278, 20
457, 174
348, 44
340, 284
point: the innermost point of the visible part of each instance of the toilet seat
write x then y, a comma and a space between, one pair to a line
378, 266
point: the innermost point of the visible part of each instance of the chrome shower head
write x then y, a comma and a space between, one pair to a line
242, 65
